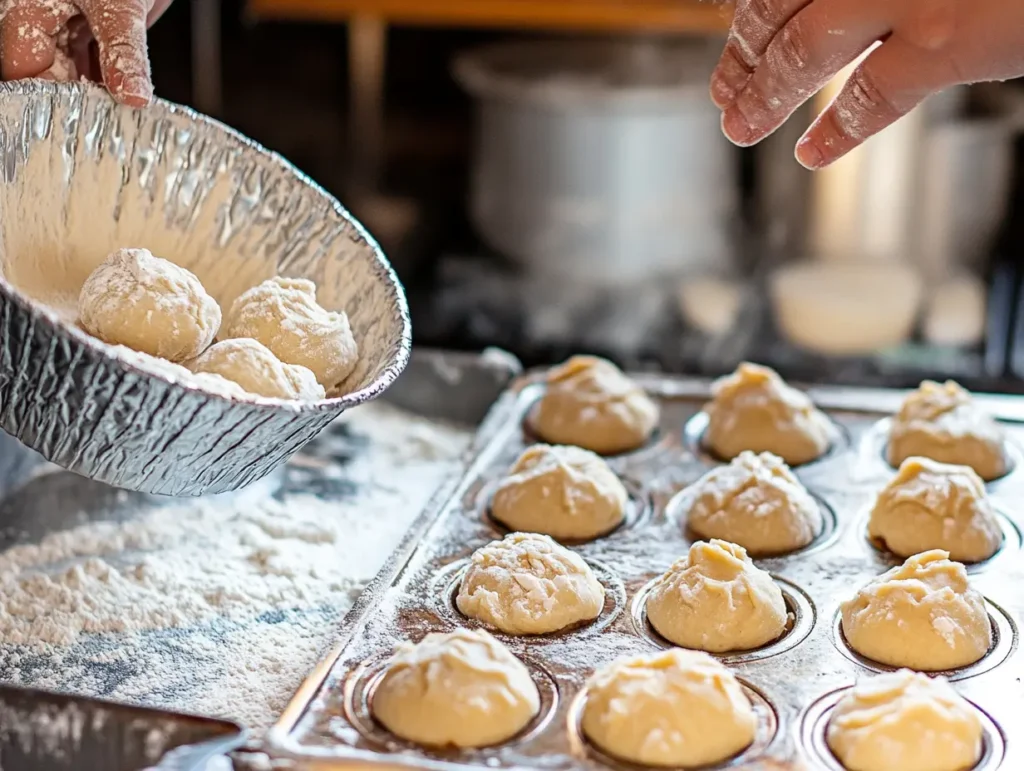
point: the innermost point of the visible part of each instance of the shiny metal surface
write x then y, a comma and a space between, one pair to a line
792, 683
222, 206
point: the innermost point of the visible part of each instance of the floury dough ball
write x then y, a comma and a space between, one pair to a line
674, 708
930, 505
528, 584
205, 380
283, 314
256, 370
715, 599
756, 502
591, 403
565, 492
922, 615
754, 409
942, 422
148, 304
904, 721
462, 689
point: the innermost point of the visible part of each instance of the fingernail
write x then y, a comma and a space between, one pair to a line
722, 92
737, 128
136, 90
808, 154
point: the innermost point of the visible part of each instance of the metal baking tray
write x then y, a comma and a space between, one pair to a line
41, 731
792, 682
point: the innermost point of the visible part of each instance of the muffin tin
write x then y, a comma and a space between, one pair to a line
793, 682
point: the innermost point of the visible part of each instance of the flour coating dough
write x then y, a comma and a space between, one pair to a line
283, 314
591, 403
566, 492
528, 584
942, 422
757, 502
754, 409
462, 688
673, 708
931, 505
904, 721
148, 304
256, 370
921, 614
715, 599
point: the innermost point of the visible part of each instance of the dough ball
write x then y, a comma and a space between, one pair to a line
283, 314
942, 422
256, 370
148, 304
930, 505
673, 708
756, 502
921, 615
216, 384
179, 374
463, 688
528, 584
715, 599
846, 309
566, 492
754, 409
590, 403
904, 721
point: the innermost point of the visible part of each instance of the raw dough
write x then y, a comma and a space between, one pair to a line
148, 304
253, 367
590, 403
566, 492
904, 721
207, 381
922, 615
756, 502
931, 505
846, 309
528, 584
956, 312
463, 688
283, 314
673, 708
710, 304
942, 422
715, 599
754, 409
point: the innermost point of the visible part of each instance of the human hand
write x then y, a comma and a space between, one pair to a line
780, 53
54, 39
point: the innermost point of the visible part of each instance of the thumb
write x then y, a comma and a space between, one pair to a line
27, 32
119, 27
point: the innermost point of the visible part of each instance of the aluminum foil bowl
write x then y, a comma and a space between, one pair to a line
81, 176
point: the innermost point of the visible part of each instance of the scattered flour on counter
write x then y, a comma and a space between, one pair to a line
222, 606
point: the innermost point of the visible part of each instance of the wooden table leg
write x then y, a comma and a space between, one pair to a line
206, 57
367, 55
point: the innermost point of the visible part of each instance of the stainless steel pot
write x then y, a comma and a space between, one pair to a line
598, 160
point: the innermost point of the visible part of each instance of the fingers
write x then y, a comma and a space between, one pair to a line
891, 82
754, 26
801, 59
120, 31
27, 32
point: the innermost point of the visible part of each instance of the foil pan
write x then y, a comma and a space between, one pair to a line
793, 683
81, 176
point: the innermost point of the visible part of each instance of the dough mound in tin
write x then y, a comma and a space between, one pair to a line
565, 492
754, 409
904, 721
716, 599
673, 708
528, 584
148, 304
256, 370
283, 314
461, 689
922, 615
756, 502
942, 422
931, 505
591, 403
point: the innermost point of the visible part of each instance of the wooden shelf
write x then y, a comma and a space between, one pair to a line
594, 15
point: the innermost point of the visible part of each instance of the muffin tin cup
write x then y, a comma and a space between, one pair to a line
193, 190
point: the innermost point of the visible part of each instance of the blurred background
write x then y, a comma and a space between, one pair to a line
550, 178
